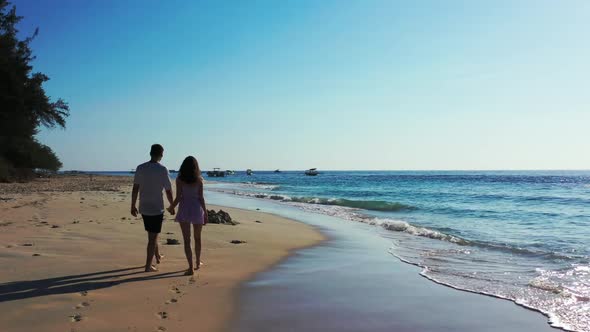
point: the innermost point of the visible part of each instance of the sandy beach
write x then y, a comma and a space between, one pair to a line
71, 259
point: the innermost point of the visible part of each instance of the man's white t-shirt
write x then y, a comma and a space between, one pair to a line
152, 178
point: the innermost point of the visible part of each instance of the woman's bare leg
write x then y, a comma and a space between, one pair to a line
186, 235
198, 229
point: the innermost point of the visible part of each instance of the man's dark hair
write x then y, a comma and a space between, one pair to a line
156, 150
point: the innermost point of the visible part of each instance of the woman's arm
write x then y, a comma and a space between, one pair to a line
178, 193
202, 199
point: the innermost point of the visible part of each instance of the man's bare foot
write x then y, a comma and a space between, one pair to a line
151, 269
158, 258
199, 265
189, 272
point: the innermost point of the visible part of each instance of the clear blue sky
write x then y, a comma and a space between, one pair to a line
329, 84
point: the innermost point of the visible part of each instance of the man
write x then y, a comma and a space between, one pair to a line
150, 179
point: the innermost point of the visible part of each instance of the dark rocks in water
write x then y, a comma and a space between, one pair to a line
172, 242
220, 217
237, 241
257, 209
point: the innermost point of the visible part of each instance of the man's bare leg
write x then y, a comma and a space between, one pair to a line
157, 254
151, 249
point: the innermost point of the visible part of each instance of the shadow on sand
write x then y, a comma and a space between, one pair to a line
18, 290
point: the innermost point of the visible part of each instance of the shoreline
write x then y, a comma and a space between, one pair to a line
88, 274
384, 294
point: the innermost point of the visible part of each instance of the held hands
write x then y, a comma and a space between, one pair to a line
171, 210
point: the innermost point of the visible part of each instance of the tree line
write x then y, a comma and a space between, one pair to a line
24, 105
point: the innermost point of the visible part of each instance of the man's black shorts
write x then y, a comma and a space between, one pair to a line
153, 224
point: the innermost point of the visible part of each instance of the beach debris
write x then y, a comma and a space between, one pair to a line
76, 222
169, 233
172, 242
27, 244
258, 221
54, 226
237, 241
220, 217
35, 255
76, 317
82, 198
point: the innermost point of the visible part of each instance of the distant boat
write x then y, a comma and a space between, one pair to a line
277, 171
216, 173
312, 172
248, 172
230, 172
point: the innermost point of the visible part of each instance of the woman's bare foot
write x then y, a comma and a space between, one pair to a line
199, 264
158, 258
189, 272
151, 269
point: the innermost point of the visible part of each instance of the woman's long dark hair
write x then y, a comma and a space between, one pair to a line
189, 171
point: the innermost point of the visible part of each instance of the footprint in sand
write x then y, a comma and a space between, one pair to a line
82, 305
76, 318
161, 329
84, 293
162, 315
176, 290
192, 280
172, 300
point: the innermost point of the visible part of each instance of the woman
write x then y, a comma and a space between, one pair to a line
192, 210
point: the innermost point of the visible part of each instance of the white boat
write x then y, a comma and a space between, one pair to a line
312, 172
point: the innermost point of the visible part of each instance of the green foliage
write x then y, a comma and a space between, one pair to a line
24, 106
